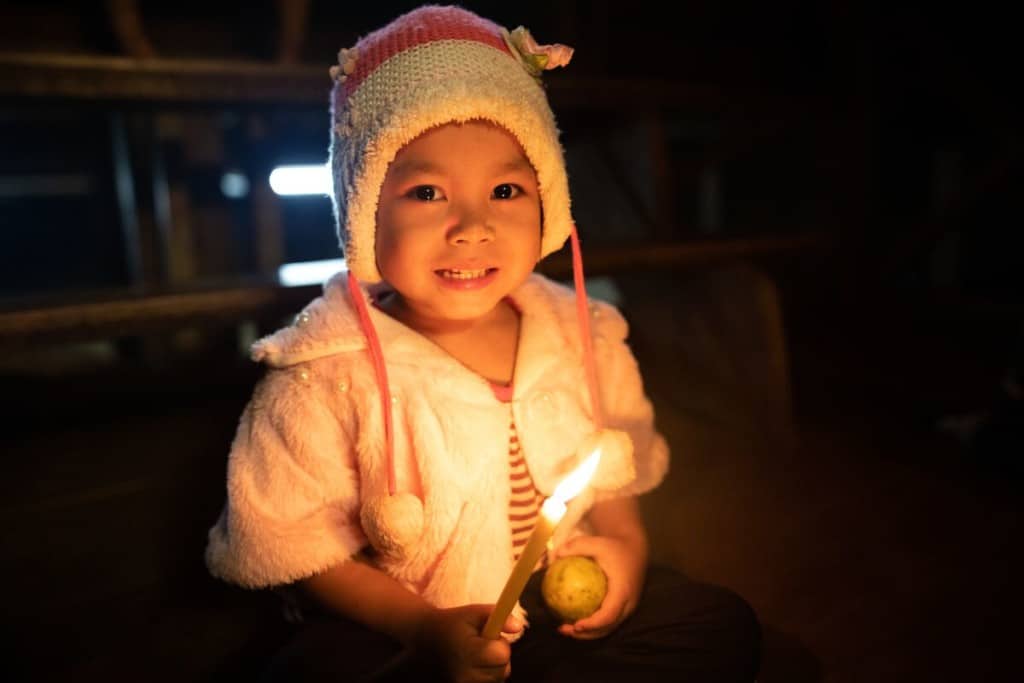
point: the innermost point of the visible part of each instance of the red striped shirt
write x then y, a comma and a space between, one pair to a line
524, 501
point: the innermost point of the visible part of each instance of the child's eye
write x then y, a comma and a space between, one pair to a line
425, 193
507, 191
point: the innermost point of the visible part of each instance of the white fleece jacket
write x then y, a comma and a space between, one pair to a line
310, 444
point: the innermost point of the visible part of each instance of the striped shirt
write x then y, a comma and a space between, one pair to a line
524, 500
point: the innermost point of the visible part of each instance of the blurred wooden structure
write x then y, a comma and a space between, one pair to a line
139, 88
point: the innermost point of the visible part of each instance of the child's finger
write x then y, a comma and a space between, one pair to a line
492, 674
567, 629
477, 615
494, 654
597, 620
580, 545
513, 624
607, 615
570, 631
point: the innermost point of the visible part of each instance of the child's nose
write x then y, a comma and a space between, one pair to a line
470, 227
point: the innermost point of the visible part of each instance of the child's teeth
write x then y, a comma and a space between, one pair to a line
463, 274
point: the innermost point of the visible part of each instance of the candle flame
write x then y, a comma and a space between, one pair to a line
577, 480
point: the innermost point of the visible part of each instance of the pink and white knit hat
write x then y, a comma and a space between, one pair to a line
431, 66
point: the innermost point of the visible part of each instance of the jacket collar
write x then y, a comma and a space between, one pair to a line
329, 326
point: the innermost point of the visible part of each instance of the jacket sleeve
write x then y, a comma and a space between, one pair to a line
626, 404
292, 489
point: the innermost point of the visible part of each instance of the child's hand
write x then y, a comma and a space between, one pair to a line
625, 571
451, 639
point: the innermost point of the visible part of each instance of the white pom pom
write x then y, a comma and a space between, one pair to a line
617, 467
393, 523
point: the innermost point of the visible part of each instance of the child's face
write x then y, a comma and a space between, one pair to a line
458, 222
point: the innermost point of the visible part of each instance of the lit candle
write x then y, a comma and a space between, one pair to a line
551, 514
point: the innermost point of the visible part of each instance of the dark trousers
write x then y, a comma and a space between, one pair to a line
682, 631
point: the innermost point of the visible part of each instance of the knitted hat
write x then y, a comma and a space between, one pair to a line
431, 66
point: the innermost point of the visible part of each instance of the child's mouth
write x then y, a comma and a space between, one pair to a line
457, 278
454, 274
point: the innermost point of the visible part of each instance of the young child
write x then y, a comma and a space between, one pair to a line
390, 466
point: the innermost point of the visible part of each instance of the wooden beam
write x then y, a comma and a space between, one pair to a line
126, 315
194, 81
184, 81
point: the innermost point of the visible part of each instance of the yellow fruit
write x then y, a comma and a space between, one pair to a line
573, 587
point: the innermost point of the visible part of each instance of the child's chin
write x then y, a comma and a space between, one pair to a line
469, 313
471, 308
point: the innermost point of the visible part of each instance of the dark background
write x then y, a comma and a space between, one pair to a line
807, 211
923, 105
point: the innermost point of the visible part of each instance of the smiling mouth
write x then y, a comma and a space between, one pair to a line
465, 274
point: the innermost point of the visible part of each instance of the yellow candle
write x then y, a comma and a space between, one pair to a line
551, 514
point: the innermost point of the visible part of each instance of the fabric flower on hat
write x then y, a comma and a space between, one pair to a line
536, 58
346, 64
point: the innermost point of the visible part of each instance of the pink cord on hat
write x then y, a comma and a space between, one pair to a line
382, 374
583, 316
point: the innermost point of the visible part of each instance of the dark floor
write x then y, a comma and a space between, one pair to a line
877, 548
873, 547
